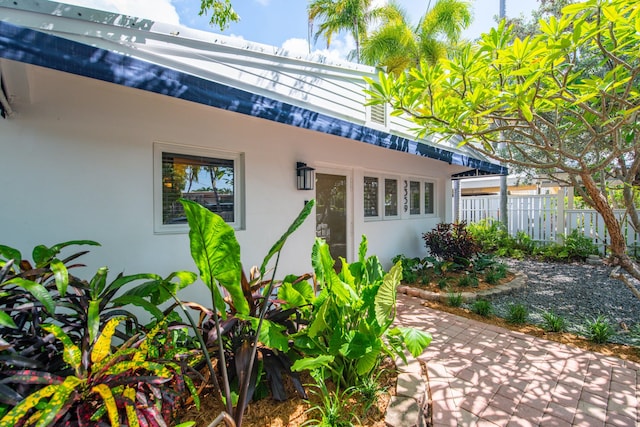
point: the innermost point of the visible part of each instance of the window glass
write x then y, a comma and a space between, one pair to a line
370, 197
414, 197
206, 180
428, 198
390, 197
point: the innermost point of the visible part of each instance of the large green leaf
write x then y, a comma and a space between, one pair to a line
385, 300
60, 275
277, 247
149, 307
8, 253
216, 252
271, 334
93, 319
310, 363
416, 340
37, 290
291, 296
122, 280
369, 360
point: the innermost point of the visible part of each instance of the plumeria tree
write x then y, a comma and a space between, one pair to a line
222, 13
564, 102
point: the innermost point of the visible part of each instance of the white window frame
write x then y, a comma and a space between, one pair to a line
379, 215
238, 183
382, 178
423, 182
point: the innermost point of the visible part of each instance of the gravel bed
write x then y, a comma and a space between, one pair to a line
576, 291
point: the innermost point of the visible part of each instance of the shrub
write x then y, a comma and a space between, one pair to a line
454, 299
411, 267
552, 322
575, 246
517, 314
482, 307
598, 329
442, 283
468, 280
495, 273
350, 330
451, 242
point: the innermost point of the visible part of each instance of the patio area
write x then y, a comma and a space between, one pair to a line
483, 375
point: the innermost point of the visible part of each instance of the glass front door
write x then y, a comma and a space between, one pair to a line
331, 213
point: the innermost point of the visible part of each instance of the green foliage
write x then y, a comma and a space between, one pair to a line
598, 329
331, 411
553, 322
253, 315
493, 238
493, 275
517, 314
468, 281
482, 307
350, 328
442, 283
222, 12
575, 246
454, 299
411, 267
451, 242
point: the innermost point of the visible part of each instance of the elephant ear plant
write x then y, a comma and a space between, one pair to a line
350, 329
247, 321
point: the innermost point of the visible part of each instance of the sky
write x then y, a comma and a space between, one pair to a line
283, 23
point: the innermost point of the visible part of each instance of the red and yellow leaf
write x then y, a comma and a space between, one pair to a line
109, 402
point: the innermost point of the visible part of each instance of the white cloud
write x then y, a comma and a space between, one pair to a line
263, 2
339, 50
162, 10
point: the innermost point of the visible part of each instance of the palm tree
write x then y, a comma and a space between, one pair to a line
398, 46
333, 16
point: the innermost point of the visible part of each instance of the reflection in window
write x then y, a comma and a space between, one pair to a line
370, 197
414, 197
391, 197
208, 181
428, 198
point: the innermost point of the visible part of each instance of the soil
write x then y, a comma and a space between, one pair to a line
295, 411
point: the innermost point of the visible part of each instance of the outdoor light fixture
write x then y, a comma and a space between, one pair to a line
306, 176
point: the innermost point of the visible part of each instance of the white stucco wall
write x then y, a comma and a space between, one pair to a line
76, 162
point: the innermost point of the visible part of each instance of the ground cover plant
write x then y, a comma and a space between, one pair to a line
74, 352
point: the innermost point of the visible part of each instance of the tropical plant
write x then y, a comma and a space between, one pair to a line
334, 16
468, 280
575, 246
350, 327
250, 320
222, 12
451, 242
553, 322
482, 307
411, 267
454, 299
531, 97
331, 411
398, 45
95, 385
598, 329
517, 314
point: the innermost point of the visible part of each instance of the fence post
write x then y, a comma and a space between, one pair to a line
561, 220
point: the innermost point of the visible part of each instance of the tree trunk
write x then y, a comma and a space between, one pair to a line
618, 243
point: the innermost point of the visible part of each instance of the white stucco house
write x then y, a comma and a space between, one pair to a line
109, 118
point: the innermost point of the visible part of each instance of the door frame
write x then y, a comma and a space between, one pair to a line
348, 174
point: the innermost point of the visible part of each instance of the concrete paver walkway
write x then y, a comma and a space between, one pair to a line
483, 375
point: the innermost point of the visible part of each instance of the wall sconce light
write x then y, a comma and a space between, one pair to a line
306, 176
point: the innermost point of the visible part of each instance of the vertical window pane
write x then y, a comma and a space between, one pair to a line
205, 180
370, 196
391, 197
414, 198
428, 197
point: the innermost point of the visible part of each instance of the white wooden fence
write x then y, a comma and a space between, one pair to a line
545, 220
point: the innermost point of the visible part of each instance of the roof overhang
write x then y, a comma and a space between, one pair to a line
34, 47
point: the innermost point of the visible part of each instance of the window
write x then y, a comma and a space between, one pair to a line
428, 198
205, 176
414, 197
370, 197
390, 197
